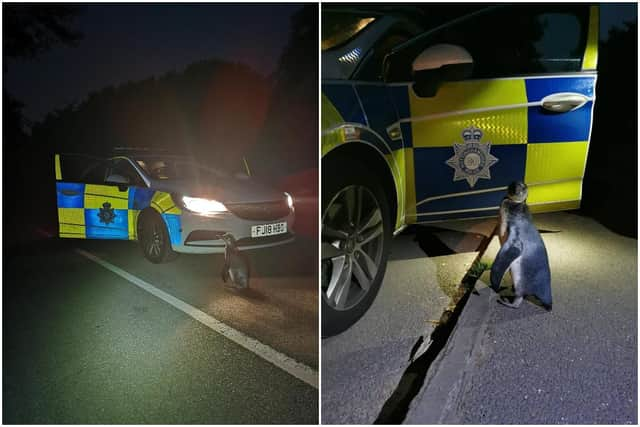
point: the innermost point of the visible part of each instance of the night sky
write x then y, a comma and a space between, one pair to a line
133, 42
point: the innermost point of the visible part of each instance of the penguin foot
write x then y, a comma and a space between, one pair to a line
515, 304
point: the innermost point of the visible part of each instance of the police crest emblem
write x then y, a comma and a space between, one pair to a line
471, 159
106, 214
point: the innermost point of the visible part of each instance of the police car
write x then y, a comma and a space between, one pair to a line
429, 122
170, 204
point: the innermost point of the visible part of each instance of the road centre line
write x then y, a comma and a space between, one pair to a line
280, 360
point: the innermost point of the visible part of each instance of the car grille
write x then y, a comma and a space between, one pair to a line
265, 211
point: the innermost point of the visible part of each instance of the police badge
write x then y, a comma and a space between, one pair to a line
471, 159
106, 214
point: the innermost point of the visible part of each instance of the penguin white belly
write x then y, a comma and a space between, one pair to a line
517, 275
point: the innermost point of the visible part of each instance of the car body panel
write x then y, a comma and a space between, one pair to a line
420, 138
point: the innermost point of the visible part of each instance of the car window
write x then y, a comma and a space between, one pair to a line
177, 169
123, 168
507, 41
339, 27
371, 67
95, 174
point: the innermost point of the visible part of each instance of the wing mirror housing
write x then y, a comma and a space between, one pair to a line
438, 64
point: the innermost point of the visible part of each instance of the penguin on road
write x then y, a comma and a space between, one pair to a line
236, 267
522, 251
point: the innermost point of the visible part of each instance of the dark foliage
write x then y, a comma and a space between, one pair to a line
212, 110
290, 137
30, 30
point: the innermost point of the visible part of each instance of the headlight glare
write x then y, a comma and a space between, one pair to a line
199, 205
289, 200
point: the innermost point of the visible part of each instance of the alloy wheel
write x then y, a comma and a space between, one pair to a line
352, 243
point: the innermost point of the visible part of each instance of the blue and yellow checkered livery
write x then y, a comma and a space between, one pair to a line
416, 135
90, 211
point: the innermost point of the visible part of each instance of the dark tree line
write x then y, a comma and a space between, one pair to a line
215, 110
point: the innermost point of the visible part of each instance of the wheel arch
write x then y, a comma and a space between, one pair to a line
373, 159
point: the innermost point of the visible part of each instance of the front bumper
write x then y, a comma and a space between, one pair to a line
200, 234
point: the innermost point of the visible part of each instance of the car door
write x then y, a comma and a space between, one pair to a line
524, 113
107, 200
70, 171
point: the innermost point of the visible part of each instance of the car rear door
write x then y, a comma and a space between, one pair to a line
524, 114
70, 170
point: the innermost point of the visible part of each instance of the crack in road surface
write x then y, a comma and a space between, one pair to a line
395, 409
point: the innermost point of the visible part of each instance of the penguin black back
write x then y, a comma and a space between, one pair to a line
236, 264
523, 251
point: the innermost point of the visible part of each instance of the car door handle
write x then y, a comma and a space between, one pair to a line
564, 102
69, 192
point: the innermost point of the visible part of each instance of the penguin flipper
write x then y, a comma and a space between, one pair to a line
508, 253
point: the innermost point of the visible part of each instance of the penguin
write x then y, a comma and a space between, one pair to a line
236, 264
522, 251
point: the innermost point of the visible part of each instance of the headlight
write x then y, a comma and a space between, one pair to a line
289, 200
196, 204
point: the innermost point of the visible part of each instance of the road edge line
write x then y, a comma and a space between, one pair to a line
280, 360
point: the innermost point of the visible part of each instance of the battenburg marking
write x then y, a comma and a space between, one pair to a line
106, 214
471, 159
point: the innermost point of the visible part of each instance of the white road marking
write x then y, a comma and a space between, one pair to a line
282, 361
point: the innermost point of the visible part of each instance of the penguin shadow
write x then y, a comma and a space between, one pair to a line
246, 293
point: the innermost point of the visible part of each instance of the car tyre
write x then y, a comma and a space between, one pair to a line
354, 250
154, 238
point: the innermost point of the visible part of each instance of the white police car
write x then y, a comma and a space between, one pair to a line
168, 203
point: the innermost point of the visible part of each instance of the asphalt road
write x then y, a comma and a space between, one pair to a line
574, 365
362, 366
82, 344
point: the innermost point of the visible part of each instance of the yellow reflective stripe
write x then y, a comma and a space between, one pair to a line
555, 161
71, 222
133, 220
163, 203
561, 191
96, 195
590, 59
499, 126
58, 170
330, 118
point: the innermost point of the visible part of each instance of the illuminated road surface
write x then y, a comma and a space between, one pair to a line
362, 366
82, 344
574, 365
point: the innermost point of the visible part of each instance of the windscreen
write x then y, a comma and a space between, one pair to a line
178, 169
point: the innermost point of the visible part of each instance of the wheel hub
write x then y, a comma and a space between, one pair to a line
350, 245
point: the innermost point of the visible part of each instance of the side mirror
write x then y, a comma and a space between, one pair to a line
437, 64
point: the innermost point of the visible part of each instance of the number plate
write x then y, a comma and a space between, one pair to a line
268, 229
